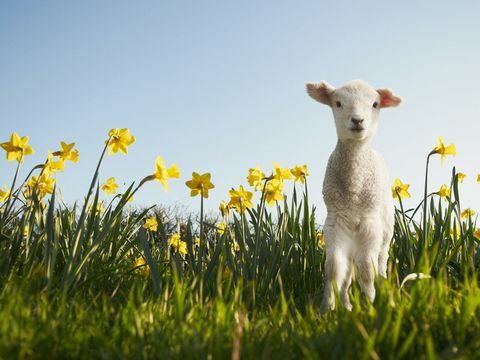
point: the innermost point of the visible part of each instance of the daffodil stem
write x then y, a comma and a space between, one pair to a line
425, 229
258, 229
202, 245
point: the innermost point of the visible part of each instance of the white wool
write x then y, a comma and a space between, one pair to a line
356, 189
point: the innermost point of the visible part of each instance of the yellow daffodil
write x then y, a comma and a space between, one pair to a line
461, 177
320, 238
400, 189
300, 173
67, 153
141, 266
110, 186
44, 184
177, 244
162, 174
273, 192
255, 178
17, 148
4, 194
221, 228
151, 224
200, 184
281, 173
197, 242
224, 209
119, 140
478, 178
443, 150
467, 213
476, 233
53, 166
444, 191
240, 199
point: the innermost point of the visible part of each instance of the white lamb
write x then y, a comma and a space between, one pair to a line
360, 213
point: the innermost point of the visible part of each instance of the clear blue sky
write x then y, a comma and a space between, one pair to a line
219, 86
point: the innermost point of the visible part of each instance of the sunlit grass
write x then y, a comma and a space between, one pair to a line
97, 279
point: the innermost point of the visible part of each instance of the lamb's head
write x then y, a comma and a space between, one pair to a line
355, 105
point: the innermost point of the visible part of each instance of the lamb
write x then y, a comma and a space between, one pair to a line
360, 212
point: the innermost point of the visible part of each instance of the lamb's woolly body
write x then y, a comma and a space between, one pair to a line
360, 212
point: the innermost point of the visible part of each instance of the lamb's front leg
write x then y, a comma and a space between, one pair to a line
370, 239
338, 268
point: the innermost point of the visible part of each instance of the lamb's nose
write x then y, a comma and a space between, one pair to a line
357, 121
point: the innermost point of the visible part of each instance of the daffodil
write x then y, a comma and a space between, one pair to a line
17, 148
400, 189
240, 199
467, 213
197, 241
443, 150
162, 174
300, 172
476, 233
461, 177
151, 224
200, 184
119, 140
52, 165
455, 230
444, 191
273, 191
4, 194
67, 153
255, 177
224, 208
221, 228
320, 238
281, 173
43, 184
110, 186
177, 244
141, 266
478, 178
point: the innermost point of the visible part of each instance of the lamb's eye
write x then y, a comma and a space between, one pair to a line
338, 103
375, 104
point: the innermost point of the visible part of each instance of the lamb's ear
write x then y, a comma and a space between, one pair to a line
321, 91
388, 99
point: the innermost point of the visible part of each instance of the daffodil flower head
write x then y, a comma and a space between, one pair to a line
110, 186
67, 152
461, 177
141, 266
53, 166
320, 238
221, 228
467, 213
240, 199
162, 174
273, 191
177, 244
119, 140
478, 178
281, 173
400, 190
299, 173
43, 184
255, 177
200, 184
17, 148
476, 234
444, 191
4, 194
151, 224
443, 150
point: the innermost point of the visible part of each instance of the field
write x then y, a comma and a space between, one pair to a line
100, 279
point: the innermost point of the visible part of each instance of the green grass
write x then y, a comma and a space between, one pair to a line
69, 286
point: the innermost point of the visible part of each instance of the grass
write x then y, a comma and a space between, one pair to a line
72, 285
